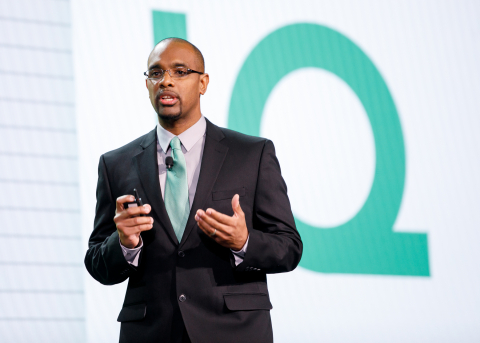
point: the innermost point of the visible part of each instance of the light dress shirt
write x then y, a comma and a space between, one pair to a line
193, 141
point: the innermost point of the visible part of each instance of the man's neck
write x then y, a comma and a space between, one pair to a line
178, 126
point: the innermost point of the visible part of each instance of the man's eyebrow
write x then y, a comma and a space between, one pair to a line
173, 65
179, 64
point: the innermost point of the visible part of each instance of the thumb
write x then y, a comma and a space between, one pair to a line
236, 205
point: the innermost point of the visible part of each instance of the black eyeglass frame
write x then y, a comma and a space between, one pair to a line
189, 71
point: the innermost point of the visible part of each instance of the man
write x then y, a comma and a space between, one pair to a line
216, 219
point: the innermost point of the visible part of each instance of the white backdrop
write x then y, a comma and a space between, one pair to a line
427, 53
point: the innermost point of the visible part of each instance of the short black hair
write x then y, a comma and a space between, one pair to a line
196, 50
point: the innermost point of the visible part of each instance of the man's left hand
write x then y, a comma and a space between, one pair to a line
230, 232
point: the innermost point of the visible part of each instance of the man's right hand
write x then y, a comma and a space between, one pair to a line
129, 223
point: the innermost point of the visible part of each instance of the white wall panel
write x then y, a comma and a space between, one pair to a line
41, 288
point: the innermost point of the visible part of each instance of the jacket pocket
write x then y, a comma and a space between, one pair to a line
221, 195
247, 302
132, 312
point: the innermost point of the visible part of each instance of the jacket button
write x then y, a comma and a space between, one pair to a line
181, 253
182, 298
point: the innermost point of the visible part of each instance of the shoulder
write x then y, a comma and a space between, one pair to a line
248, 144
131, 149
241, 137
237, 139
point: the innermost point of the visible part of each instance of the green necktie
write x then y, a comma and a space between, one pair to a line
176, 190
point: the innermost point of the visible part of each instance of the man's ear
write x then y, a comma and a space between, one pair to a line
204, 79
146, 83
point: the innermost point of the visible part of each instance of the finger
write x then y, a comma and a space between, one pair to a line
145, 227
130, 222
131, 212
135, 211
123, 199
208, 229
211, 221
219, 217
236, 205
134, 230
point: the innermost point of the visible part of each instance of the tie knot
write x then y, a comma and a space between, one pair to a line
175, 143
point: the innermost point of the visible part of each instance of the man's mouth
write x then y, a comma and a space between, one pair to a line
168, 98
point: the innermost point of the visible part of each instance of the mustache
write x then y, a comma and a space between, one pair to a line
166, 92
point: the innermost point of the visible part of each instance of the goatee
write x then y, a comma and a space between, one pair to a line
169, 118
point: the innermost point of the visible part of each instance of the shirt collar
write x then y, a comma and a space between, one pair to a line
188, 138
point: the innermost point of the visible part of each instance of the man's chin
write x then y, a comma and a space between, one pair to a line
169, 117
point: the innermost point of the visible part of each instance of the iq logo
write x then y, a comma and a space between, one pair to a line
366, 244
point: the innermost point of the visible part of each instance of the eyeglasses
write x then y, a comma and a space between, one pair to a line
156, 75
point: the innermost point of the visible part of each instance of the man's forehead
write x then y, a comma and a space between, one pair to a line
172, 53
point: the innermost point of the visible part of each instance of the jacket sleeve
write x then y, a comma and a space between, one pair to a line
274, 243
104, 258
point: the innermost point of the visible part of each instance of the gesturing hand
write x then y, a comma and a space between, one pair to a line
129, 224
230, 232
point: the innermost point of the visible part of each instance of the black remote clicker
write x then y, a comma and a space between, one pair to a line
138, 202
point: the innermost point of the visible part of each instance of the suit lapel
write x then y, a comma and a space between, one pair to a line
147, 168
212, 160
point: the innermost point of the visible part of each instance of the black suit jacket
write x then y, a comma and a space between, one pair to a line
221, 302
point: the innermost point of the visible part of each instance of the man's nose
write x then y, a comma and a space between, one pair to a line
167, 80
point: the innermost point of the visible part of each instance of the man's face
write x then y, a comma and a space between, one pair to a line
172, 98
